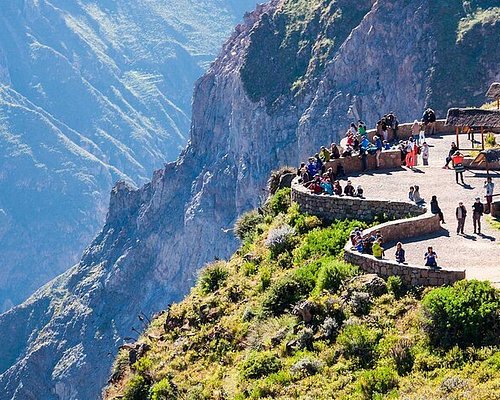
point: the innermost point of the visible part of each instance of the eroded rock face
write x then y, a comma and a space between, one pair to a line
62, 341
90, 92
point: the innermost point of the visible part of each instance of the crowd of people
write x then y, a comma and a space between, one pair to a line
322, 180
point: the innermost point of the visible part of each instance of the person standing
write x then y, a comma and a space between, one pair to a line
430, 258
415, 131
378, 147
461, 214
425, 153
458, 166
489, 186
400, 253
477, 213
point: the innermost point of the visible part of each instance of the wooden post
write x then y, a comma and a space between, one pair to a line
482, 138
456, 134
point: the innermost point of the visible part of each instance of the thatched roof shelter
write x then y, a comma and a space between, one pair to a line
473, 118
489, 157
494, 91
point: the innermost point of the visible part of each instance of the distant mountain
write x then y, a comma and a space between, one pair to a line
290, 78
90, 92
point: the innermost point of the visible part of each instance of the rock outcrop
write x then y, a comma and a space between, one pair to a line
90, 92
61, 342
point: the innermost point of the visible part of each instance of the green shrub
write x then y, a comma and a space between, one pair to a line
465, 314
358, 342
326, 242
213, 277
280, 240
395, 286
307, 366
490, 140
246, 225
290, 289
377, 382
259, 364
302, 223
265, 278
332, 274
137, 389
163, 390
280, 201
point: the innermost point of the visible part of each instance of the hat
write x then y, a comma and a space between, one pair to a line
478, 198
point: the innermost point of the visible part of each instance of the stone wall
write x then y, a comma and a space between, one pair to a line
495, 209
412, 221
330, 208
389, 159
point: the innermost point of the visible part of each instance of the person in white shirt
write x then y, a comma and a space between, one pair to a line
489, 187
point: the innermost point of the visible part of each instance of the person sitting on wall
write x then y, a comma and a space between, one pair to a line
416, 196
326, 185
324, 154
349, 189
315, 185
400, 253
386, 145
312, 168
436, 210
359, 192
337, 189
331, 175
361, 128
334, 151
411, 196
319, 164
451, 152
377, 249
303, 174
430, 258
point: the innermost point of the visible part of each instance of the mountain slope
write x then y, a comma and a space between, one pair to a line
155, 238
288, 319
90, 92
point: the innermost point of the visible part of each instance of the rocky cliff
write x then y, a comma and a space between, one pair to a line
90, 92
289, 79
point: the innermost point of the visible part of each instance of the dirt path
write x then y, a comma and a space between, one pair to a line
478, 255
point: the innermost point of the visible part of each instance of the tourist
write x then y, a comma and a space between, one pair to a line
334, 151
415, 131
458, 166
324, 154
315, 185
416, 196
451, 152
319, 164
386, 145
312, 167
392, 125
377, 249
477, 213
349, 189
410, 193
331, 175
429, 120
402, 149
352, 130
461, 214
400, 253
326, 185
436, 210
410, 153
378, 146
361, 128
303, 173
430, 258
359, 192
425, 153
337, 189
490, 187
385, 134
363, 154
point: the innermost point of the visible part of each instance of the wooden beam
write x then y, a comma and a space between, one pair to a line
456, 134
482, 138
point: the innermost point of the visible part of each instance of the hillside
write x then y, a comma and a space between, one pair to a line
156, 237
90, 93
286, 318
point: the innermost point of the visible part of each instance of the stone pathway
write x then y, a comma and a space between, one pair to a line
478, 255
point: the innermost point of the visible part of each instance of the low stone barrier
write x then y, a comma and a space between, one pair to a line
389, 159
495, 209
412, 221
330, 208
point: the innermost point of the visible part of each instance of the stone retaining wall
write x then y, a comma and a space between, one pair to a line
389, 159
412, 221
330, 208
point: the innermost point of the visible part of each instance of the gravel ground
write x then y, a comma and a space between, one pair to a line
479, 255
